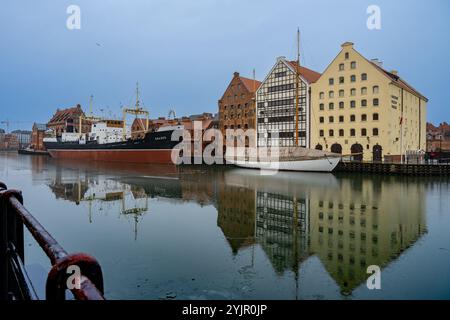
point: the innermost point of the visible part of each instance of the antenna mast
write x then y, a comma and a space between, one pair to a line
297, 84
90, 104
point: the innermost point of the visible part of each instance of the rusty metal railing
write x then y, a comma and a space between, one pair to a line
14, 280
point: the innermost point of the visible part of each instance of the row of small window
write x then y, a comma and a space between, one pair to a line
375, 103
236, 97
237, 127
281, 87
238, 116
245, 106
375, 117
341, 132
375, 90
352, 65
352, 79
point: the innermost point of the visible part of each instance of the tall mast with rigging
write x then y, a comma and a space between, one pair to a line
297, 84
137, 110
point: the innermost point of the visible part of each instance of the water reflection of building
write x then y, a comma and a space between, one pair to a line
349, 223
236, 215
359, 222
370, 221
282, 229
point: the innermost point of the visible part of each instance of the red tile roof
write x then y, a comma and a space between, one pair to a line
431, 127
399, 81
63, 115
250, 84
309, 75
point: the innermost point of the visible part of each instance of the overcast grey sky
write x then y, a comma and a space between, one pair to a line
183, 53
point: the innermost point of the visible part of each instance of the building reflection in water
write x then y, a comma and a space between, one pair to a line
348, 222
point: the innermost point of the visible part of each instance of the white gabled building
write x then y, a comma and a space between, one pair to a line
276, 105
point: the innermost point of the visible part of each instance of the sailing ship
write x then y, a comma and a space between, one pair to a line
295, 158
110, 140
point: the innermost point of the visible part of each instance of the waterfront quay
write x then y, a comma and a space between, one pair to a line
220, 232
410, 169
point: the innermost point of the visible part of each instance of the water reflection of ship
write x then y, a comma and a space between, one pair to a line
357, 223
104, 195
348, 223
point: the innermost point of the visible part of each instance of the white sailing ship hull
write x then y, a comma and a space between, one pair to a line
310, 165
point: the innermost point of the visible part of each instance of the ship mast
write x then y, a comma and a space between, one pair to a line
297, 84
137, 110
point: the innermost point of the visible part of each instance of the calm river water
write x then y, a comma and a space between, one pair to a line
199, 232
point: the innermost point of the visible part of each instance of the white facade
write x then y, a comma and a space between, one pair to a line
103, 133
276, 107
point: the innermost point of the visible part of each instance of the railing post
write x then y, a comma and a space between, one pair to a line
3, 246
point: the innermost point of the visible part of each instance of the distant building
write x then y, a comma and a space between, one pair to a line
9, 142
37, 136
276, 105
68, 120
360, 108
237, 105
23, 138
438, 138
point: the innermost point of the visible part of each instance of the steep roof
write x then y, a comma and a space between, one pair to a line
431, 127
399, 81
64, 114
250, 84
309, 75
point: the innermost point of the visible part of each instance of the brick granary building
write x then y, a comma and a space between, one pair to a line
237, 105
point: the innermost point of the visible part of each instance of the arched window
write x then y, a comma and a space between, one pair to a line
375, 131
363, 132
375, 89
375, 116
352, 132
321, 95
321, 106
364, 76
331, 133
363, 103
341, 132
319, 147
376, 102
363, 90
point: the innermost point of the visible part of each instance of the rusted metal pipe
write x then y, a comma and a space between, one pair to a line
91, 278
50, 246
